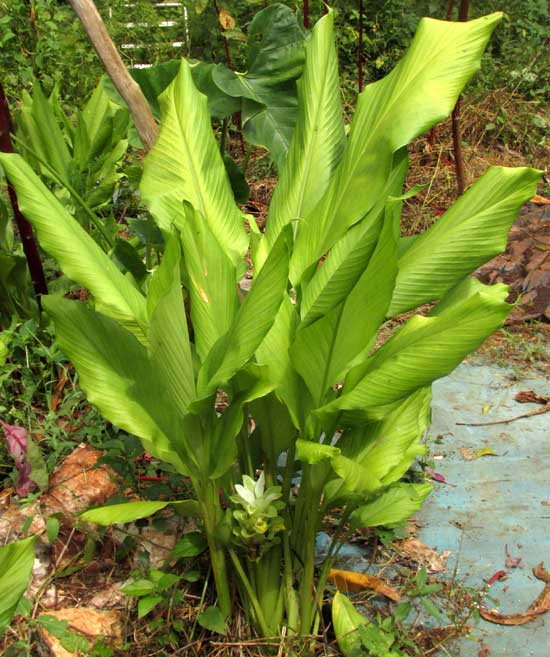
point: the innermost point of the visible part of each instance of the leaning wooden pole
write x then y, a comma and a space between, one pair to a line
360, 49
30, 248
127, 87
455, 118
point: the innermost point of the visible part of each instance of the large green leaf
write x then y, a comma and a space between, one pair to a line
185, 165
395, 504
425, 349
318, 140
346, 621
356, 477
273, 353
115, 514
223, 443
169, 348
39, 129
313, 452
420, 91
81, 259
268, 88
16, 562
348, 258
211, 281
253, 321
118, 378
326, 349
471, 232
389, 446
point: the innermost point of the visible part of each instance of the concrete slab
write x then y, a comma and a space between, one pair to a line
493, 501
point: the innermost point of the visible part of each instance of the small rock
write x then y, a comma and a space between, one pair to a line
157, 543
423, 555
78, 483
90, 623
109, 597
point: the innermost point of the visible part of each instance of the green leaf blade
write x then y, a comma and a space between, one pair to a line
185, 165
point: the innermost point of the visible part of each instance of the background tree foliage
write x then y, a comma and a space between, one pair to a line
44, 38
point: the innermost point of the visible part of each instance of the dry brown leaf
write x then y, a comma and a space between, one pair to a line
420, 553
540, 606
91, 623
530, 397
468, 454
348, 580
58, 392
484, 651
540, 200
226, 20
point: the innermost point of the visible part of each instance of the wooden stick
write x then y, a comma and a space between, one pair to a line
360, 49
127, 87
538, 411
455, 119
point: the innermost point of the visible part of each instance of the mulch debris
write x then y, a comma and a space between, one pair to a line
525, 265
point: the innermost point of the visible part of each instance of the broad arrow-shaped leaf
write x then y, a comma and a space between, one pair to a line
420, 91
185, 165
268, 88
80, 257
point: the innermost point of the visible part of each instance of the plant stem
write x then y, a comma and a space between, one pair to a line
211, 513
250, 592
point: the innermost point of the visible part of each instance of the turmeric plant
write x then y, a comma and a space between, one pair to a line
317, 418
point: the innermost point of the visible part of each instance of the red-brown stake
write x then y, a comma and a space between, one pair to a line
30, 248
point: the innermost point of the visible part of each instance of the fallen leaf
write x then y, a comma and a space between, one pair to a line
347, 580
107, 598
500, 574
468, 454
545, 502
512, 562
530, 397
540, 200
540, 606
436, 476
420, 553
486, 409
484, 651
56, 397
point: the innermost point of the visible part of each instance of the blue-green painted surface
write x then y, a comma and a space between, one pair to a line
493, 501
